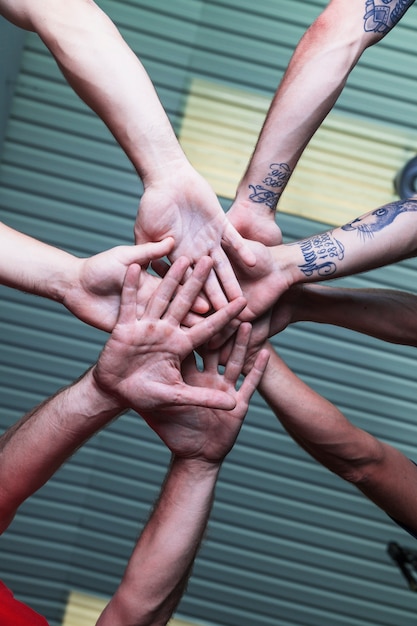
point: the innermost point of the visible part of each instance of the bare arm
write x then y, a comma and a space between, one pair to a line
39, 443
104, 71
160, 565
381, 472
312, 83
33, 449
378, 238
89, 287
199, 439
382, 313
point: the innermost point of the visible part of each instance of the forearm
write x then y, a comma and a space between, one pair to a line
313, 422
381, 472
107, 75
382, 313
39, 443
386, 235
162, 559
313, 81
30, 265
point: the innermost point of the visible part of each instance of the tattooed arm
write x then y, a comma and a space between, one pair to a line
316, 74
380, 237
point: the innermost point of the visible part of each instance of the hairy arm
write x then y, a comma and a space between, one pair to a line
162, 559
199, 439
40, 442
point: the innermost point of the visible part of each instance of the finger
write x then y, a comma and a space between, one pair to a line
186, 296
253, 379
236, 360
225, 274
201, 304
202, 396
214, 292
144, 253
163, 295
232, 240
128, 298
214, 323
210, 359
220, 338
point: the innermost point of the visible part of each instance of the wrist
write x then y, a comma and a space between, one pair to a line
163, 161
103, 397
197, 469
63, 278
264, 185
286, 259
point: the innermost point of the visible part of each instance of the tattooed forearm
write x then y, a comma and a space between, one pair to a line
320, 254
272, 186
382, 15
375, 221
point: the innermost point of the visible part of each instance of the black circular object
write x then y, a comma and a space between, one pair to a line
405, 182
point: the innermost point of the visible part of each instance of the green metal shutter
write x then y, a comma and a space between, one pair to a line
288, 543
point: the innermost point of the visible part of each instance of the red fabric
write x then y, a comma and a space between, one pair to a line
15, 613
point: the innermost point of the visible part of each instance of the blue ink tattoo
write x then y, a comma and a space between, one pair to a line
376, 220
380, 17
277, 179
320, 253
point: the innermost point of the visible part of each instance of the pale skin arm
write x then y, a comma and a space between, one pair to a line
378, 238
378, 470
89, 287
199, 440
312, 83
103, 70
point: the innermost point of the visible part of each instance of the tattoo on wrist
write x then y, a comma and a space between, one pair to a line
321, 253
277, 178
382, 15
379, 219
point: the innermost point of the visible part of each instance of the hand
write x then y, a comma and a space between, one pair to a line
266, 281
287, 310
184, 206
208, 434
93, 294
258, 226
141, 362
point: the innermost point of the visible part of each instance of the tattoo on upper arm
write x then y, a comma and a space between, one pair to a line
379, 219
321, 253
382, 15
277, 178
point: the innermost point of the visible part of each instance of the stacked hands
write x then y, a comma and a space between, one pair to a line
181, 337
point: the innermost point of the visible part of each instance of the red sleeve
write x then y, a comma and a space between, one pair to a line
15, 613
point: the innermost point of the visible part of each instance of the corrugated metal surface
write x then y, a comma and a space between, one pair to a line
288, 543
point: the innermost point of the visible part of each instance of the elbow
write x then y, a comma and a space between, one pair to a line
361, 466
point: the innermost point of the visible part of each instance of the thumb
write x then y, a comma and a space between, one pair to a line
236, 245
144, 253
202, 396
